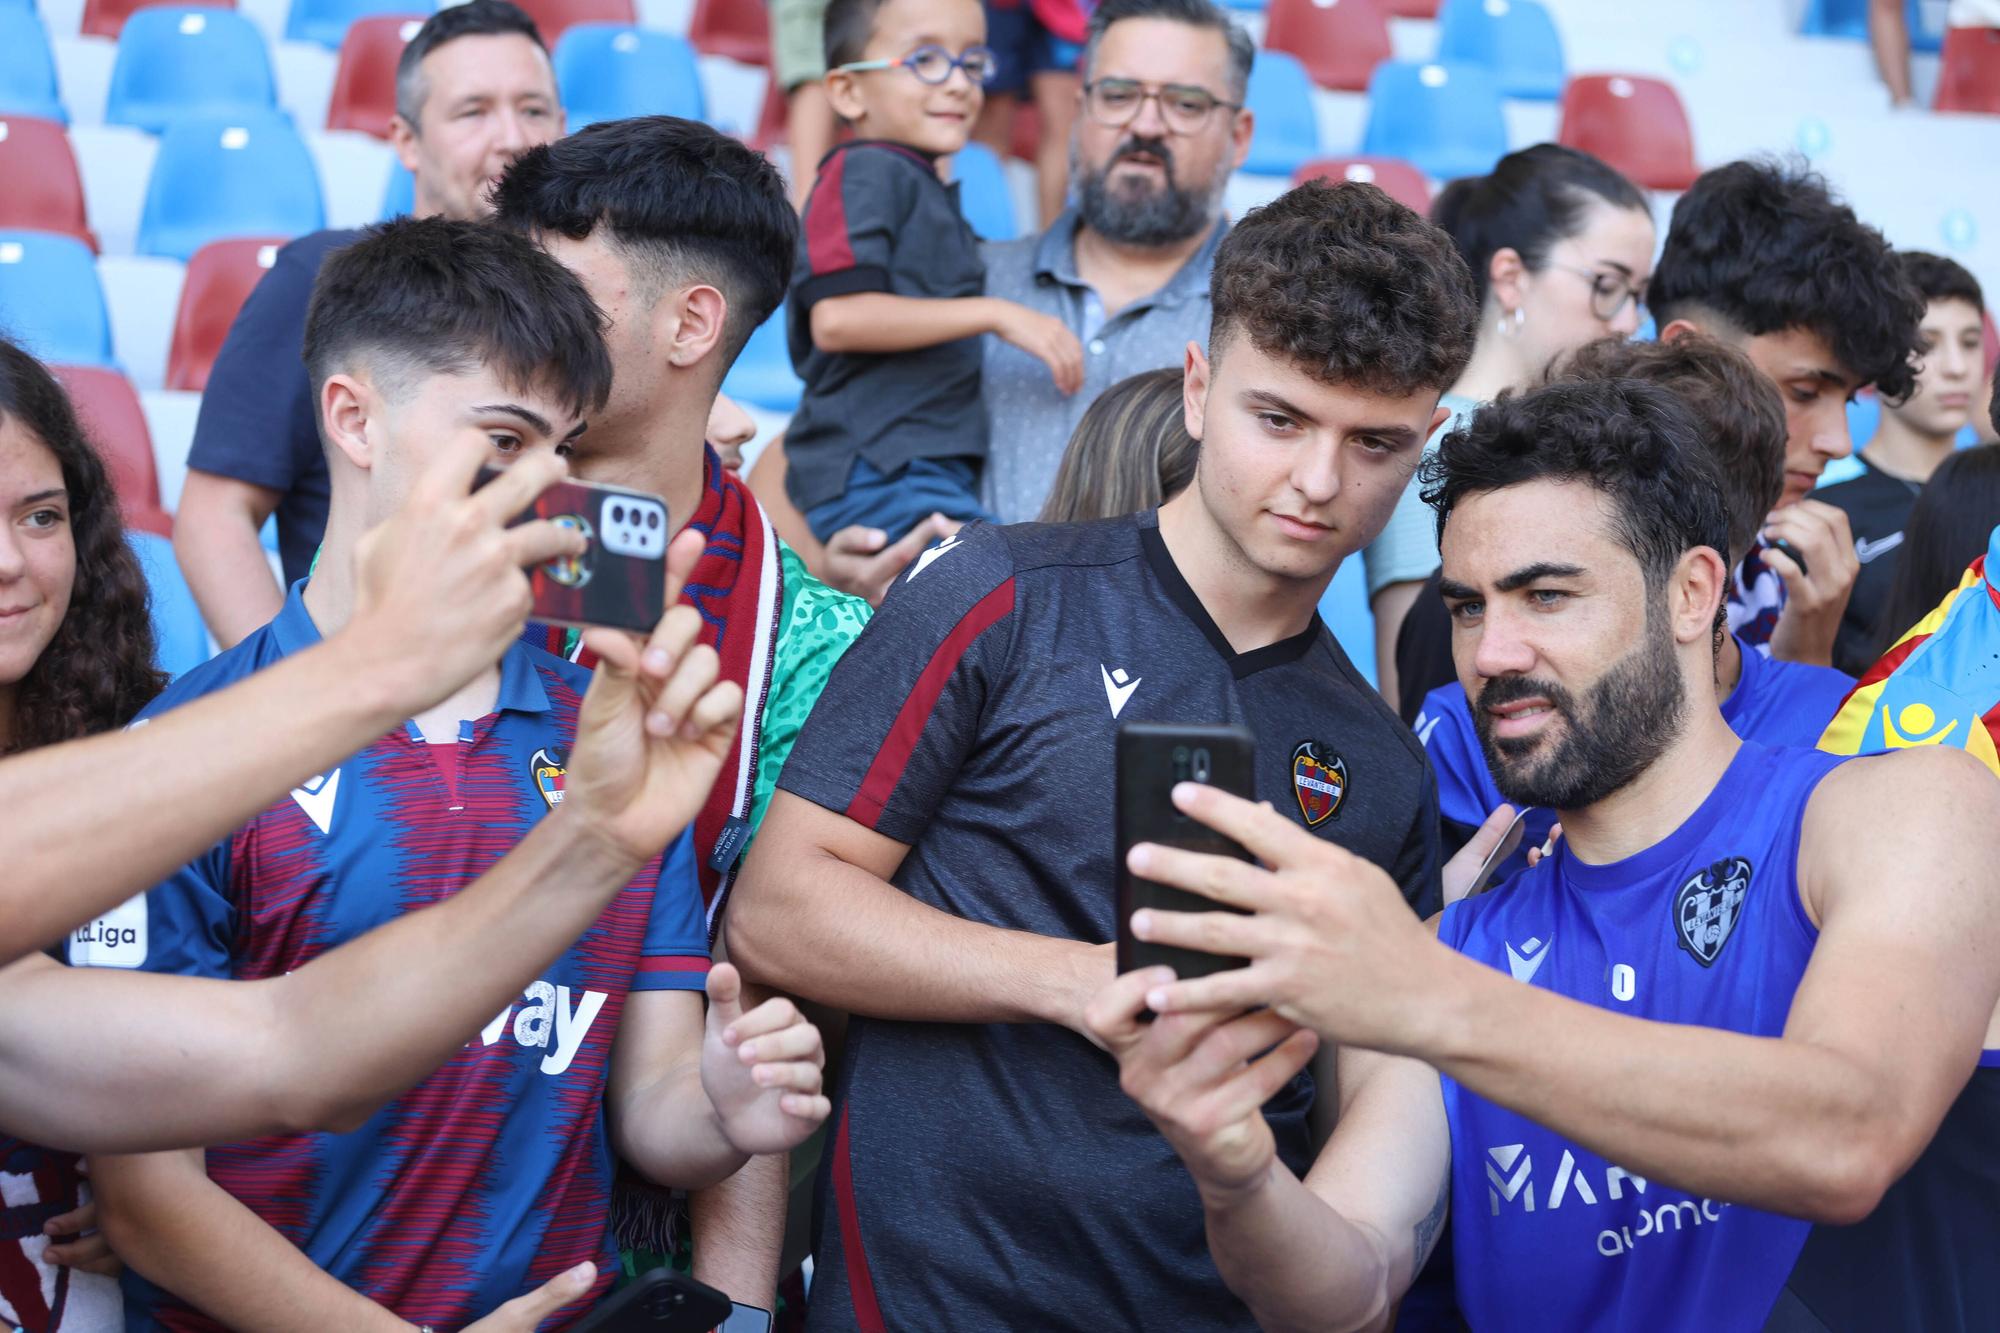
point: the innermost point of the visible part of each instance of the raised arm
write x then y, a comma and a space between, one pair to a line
1882, 1034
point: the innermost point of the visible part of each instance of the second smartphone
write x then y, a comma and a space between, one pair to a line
620, 580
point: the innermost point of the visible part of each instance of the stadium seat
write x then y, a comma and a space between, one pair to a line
106, 18
1516, 39
108, 407
180, 637
1447, 119
763, 374
1849, 19
771, 120
28, 67
43, 190
364, 82
219, 276
50, 301
731, 28
1287, 132
983, 196
399, 196
327, 21
609, 71
218, 177
1412, 9
553, 18
1969, 73
1401, 181
1340, 42
1636, 124
1344, 608
179, 62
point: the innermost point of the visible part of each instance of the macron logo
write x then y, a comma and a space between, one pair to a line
924, 561
1528, 960
1866, 551
1426, 724
1116, 687
316, 796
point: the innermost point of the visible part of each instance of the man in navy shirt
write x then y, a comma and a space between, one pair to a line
1670, 1077
474, 90
1764, 699
938, 859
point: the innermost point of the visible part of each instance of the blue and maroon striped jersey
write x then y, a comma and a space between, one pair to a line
493, 1174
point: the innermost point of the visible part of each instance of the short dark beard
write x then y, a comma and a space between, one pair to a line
1628, 718
1151, 217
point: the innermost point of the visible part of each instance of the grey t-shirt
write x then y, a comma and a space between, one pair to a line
986, 1178
1028, 422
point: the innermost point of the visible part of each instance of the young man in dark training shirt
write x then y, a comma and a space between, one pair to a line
938, 860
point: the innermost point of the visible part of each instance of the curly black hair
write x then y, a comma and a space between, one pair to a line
97, 672
1766, 246
1635, 442
1349, 284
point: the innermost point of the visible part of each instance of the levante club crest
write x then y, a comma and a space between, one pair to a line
546, 771
1319, 780
1708, 906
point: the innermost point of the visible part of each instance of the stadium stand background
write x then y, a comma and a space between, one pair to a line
238, 102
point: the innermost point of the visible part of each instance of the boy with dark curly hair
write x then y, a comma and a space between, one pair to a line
938, 860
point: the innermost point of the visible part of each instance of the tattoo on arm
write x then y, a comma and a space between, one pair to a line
1426, 1233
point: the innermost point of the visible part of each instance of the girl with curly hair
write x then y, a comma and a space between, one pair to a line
76, 657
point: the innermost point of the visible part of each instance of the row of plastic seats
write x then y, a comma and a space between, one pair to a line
1341, 44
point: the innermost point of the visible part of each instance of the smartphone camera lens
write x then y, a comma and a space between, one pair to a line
652, 519
617, 513
1201, 766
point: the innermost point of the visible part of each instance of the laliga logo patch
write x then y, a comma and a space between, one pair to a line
546, 771
1708, 907
1319, 781
575, 570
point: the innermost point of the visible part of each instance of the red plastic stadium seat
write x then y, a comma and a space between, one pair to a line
554, 17
1412, 9
1401, 181
109, 409
44, 192
772, 120
1340, 44
106, 18
1024, 134
1636, 124
1969, 71
364, 83
219, 277
738, 29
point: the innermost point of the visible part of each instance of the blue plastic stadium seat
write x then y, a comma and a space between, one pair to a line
608, 71
180, 639
763, 372
27, 66
1516, 39
983, 196
50, 300
1287, 134
220, 176
1447, 119
1344, 608
326, 21
399, 196
179, 62
1849, 19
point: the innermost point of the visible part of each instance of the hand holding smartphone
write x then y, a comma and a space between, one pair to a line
620, 579
1152, 757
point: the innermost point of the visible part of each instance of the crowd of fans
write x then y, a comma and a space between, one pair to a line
1627, 956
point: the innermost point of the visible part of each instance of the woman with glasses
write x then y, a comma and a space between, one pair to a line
1560, 247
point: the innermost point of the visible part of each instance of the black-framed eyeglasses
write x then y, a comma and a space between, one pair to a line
1186, 109
934, 64
1608, 291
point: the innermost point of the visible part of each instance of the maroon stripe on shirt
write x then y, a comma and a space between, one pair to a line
880, 783
674, 963
827, 244
860, 1285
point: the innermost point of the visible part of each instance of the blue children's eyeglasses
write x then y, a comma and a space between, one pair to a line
934, 64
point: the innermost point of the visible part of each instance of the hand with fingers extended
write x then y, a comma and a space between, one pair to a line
440, 589
1331, 944
762, 1069
655, 726
862, 561
1818, 580
1202, 1078
524, 1314
75, 1242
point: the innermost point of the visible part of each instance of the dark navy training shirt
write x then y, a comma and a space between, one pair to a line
994, 1177
258, 422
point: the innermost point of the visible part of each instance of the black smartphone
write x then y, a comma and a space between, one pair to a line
620, 580
659, 1300
1152, 757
